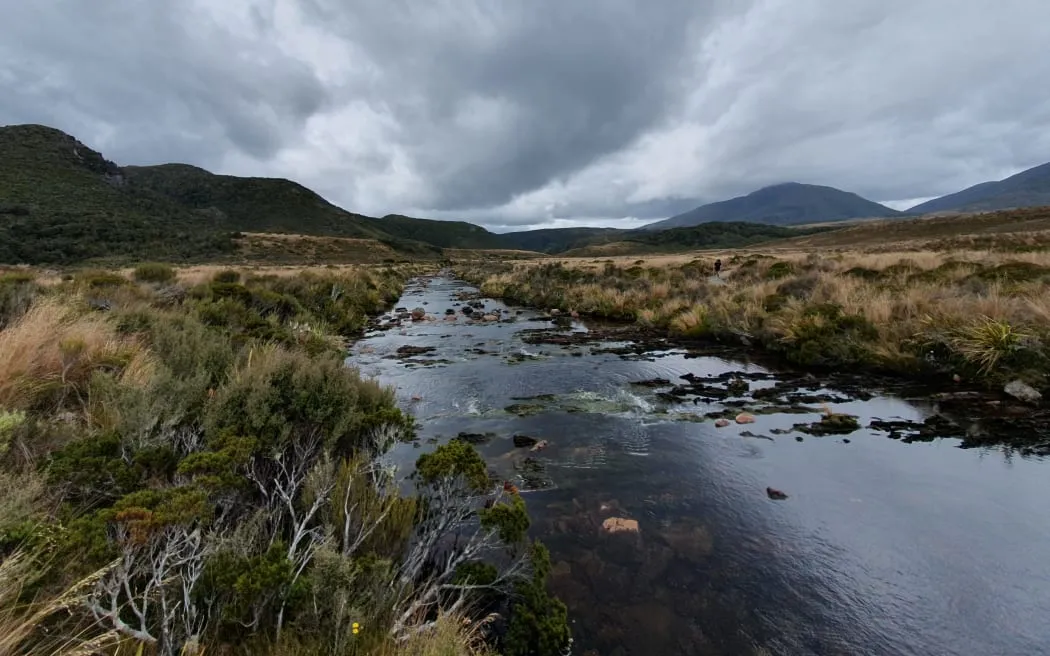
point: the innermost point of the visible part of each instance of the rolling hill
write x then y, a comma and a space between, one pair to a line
62, 202
251, 204
557, 240
715, 234
442, 234
791, 203
1030, 188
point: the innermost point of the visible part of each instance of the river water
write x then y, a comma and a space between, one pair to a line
882, 547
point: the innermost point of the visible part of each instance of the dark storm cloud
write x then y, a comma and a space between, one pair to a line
499, 98
516, 113
151, 81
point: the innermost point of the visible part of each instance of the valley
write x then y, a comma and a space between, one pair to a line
336, 420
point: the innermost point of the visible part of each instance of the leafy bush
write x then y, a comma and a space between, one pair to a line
227, 276
153, 272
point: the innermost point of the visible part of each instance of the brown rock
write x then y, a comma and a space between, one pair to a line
620, 525
745, 418
490, 317
721, 423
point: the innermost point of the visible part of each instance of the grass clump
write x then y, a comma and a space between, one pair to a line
154, 272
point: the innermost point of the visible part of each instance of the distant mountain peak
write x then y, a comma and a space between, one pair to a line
786, 203
1029, 188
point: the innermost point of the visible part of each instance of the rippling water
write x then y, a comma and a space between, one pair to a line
881, 548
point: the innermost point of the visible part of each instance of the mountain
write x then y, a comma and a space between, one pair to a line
791, 203
1029, 188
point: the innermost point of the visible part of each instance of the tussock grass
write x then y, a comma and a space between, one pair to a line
48, 356
982, 314
50, 624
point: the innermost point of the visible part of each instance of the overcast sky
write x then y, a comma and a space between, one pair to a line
544, 113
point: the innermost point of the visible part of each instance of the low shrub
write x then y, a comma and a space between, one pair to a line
154, 272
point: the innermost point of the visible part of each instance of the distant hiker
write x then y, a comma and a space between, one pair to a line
718, 266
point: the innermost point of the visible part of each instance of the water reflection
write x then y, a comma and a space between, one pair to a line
881, 548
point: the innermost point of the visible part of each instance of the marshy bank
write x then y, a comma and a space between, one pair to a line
967, 321
665, 530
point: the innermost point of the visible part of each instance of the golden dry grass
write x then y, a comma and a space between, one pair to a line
981, 306
45, 625
49, 354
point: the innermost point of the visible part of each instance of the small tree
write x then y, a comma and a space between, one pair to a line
461, 506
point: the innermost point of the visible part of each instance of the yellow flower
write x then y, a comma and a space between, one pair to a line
356, 628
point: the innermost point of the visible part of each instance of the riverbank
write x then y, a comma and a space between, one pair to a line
977, 319
188, 465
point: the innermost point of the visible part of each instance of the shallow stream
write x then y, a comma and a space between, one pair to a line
881, 546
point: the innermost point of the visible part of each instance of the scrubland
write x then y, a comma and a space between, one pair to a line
188, 466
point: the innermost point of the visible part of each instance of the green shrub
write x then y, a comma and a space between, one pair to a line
98, 279
538, 622
279, 397
779, 270
153, 272
227, 276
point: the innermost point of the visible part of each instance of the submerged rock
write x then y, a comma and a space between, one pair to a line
524, 441
722, 423
652, 382
533, 474
475, 438
415, 350
1023, 392
620, 525
542, 444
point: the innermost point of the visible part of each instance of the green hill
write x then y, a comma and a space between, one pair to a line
252, 204
784, 204
1030, 188
557, 240
721, 234
62, 202
443, 234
